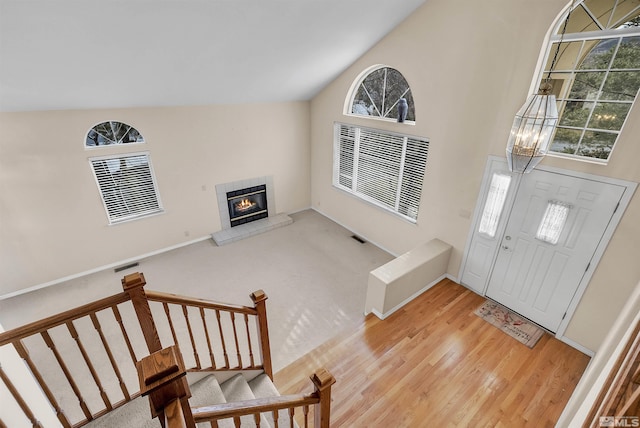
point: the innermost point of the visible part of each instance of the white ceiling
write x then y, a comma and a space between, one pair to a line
78, 54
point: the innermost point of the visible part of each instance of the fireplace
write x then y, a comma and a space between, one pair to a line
241, 202
247, 205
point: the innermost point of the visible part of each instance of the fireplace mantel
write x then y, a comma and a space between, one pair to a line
230, 234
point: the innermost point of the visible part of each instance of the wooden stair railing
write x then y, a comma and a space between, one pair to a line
162, 378
320, 399
60, 351
620, 395
53, 339
241, 344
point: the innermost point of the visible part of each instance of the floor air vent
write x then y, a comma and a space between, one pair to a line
359, 239
124, 267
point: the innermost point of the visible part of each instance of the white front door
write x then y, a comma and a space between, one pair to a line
551, 234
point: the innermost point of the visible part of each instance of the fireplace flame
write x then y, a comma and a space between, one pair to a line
244, 204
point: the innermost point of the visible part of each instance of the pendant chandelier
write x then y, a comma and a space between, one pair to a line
534, 123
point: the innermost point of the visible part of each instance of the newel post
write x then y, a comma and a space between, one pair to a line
162, 377
259, 301
133, 284
322, 381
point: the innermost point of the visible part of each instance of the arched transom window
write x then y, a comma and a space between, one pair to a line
112, 132
380, 93
596, 76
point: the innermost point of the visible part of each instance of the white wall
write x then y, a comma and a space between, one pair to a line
470, 65
596, 374
53, 223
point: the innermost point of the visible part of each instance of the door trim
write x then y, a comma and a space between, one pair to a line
629, 189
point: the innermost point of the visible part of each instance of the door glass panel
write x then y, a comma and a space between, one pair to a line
553, 221
495, 203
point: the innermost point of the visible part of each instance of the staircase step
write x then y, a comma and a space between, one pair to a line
136, 413
263, 387
206, 392
237, 389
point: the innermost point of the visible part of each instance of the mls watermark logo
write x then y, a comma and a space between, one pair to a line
619, 421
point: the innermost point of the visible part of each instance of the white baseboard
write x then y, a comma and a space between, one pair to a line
101, 268
407, 300
576, 345
355, 232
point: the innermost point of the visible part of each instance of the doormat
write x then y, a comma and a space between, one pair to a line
511, 323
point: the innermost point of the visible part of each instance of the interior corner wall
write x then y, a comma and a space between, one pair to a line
52, 220
468, 80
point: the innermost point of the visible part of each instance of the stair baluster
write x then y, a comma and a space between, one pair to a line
107, 349
167, 388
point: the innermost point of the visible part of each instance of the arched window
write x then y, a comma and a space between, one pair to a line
378, 93
126, 182
596, 76
112, 132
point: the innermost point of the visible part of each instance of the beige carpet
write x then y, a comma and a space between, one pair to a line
313, 271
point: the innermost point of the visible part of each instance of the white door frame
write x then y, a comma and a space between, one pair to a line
630, 188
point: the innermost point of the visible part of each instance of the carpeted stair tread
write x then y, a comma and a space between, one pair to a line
135, 414
263, 387
237, 389
206, 392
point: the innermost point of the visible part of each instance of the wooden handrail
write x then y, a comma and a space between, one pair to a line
256, 405
62, 318
158, 296
237, 341
50, 331
320, 398
620, 394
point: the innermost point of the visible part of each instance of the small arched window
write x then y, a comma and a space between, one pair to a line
378, 93
112, 132
596, 76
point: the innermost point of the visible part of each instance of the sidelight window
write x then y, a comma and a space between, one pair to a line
494, 204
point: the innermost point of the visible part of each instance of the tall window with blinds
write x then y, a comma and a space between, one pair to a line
127, 186
381, 167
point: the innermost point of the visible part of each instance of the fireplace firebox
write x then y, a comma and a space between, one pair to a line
247, 205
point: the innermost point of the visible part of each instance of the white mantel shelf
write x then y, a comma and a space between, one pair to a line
227, 236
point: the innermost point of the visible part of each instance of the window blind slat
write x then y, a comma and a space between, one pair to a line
127, 186
380, 160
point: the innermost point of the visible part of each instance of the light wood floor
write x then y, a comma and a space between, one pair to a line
434, 363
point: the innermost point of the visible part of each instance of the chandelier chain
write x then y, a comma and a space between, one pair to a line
564, 29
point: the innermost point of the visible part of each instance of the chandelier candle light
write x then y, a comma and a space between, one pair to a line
534, 123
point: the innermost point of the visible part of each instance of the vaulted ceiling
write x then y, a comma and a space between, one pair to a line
79, 54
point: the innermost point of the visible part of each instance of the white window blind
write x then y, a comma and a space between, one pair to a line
381, 167
127, 186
